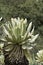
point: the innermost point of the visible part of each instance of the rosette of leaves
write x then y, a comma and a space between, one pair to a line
40, 57
18, 38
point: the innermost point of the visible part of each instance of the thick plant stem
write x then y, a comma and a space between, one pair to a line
15, 57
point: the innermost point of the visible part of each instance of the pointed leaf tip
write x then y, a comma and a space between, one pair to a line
34, 38
25, 21
29, 27
32, 30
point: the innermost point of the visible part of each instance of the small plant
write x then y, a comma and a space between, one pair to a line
19, 39
40, 57
1, 54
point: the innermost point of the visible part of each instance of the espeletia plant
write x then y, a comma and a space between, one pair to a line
40, 57
18, 37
